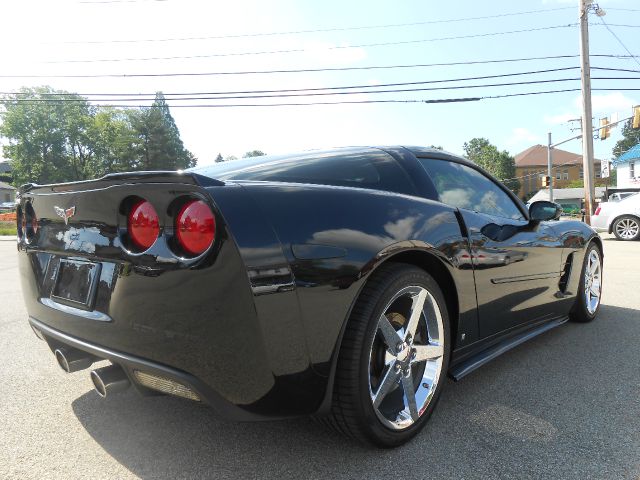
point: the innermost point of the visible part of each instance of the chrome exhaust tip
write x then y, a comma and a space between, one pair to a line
109, 380
72, 360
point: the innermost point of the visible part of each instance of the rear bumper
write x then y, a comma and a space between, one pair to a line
599, 223
131, 363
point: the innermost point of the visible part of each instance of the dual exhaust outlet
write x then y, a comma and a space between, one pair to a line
106, 380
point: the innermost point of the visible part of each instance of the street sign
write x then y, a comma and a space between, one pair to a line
604, 170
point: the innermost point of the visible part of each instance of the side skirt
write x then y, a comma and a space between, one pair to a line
476, 361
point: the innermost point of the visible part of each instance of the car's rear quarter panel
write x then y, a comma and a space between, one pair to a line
334, 238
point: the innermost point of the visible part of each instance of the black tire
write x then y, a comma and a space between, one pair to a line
580, 312
353, 412
626, 221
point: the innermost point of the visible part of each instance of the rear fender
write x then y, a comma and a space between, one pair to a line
334, 238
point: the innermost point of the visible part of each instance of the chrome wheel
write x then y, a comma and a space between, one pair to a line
592, 282
405, 360
627, 228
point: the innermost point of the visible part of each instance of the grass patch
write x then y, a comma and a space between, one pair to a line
8, 228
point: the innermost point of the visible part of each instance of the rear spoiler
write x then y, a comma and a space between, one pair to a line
188, 178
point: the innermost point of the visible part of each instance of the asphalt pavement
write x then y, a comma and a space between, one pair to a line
564, 405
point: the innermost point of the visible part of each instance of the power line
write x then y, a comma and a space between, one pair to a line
318, 30
344, 87
312, 93
623, 9
619, 41
300, 50
311, 70
484, 77
343, 102
300, 70
307, 94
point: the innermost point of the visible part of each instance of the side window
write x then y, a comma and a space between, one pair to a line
464, 187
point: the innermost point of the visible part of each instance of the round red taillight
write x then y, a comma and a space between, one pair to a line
143, 225
195, 227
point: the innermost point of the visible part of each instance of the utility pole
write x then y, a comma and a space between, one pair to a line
587, 126
550, 166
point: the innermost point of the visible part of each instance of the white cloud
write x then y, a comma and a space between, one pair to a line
521, 138
560, 118
607, 103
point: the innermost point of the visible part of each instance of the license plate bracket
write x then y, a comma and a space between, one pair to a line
75, 284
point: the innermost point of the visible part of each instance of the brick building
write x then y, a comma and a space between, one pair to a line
531, 166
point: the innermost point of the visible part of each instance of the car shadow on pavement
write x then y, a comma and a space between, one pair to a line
564, 405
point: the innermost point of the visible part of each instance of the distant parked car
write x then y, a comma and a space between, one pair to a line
616, 197
622, 218
7, 206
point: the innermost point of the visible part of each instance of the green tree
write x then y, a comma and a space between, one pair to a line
499, 163
230, 158
630, 138
114, 142
219, 158
254, 153
158, 139
48, 133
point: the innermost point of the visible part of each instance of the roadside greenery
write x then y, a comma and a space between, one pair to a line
599, 182
8, 228
58, 136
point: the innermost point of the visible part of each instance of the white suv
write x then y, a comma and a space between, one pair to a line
621, 218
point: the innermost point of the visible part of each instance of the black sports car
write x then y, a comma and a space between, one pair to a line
344, 284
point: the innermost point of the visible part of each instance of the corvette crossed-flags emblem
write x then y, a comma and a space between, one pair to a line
65, 214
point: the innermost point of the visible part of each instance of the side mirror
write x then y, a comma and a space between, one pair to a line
543, 210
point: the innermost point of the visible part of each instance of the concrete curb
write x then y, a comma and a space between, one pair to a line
8, 238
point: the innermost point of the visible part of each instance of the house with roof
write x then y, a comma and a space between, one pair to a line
7, 192
531, 167
5, 167
628, 167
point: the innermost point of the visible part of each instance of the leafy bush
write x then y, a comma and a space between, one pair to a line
8, 228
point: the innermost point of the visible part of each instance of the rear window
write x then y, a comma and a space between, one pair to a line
372, 169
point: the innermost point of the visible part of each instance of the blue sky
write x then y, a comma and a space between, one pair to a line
64, 37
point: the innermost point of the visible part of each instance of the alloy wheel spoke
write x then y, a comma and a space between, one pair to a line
428, 352
417, 307
410, 394
390, 335
389, 379
595, 289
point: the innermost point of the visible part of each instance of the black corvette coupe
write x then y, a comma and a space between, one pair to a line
344, 284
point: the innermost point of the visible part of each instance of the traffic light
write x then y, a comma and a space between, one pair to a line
605, 130
546, 181
636, 117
